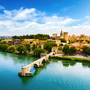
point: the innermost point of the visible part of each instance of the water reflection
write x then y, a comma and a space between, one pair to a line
37, 71
25, 80
4, 53
65, 63
86, 64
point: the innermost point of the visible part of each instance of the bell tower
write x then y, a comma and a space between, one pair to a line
61, 34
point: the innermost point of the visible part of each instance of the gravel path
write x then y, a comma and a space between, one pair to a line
77, 56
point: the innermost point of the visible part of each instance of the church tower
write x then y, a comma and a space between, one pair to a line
61, 34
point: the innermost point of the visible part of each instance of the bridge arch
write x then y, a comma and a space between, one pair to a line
38, 63
53, 53
49, 57
43, 60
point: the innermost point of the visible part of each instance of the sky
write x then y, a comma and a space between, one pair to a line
22, 17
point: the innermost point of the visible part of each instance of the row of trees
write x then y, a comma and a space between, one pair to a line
82, 41
24, 49
5, 47
21, 49
37, 36
68, 50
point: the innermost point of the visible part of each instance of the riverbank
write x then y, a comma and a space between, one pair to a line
71, 58
27, 54
56, 75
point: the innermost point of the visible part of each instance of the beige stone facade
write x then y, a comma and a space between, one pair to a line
54, 35
62, 35
81, 37
66, 36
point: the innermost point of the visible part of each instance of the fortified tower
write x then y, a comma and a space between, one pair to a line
66, 36
54, 35
61, 34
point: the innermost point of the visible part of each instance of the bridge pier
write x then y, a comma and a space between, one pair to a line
24, 72
38, 63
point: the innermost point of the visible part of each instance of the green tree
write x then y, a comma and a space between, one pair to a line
66, 49
72, 50
37, 51
44, 38
77, 40
86, 50
61, 44
53, 38
4, 47
11, 48
60, 48
71, 42
63, 40
4, 42
49, 45
15, 37
28, 47
33, 47
86, 40
21, 49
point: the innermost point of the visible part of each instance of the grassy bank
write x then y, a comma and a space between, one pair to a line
71, 58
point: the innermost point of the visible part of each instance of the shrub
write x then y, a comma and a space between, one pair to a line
71, 42
61, 44
11, 48
60, 48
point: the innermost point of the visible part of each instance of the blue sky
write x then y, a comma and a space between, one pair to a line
21, 17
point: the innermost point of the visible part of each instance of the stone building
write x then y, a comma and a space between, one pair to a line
54, 35
55, 49
66, 36
62, 35
81, 37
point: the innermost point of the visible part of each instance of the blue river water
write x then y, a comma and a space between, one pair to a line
56, 75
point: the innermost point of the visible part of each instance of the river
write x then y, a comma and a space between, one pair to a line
56, 75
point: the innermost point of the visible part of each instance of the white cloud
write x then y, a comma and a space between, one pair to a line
1, 7
25, 14
54, 20
87, 17
32, 21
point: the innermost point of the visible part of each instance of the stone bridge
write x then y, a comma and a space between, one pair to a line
38, 63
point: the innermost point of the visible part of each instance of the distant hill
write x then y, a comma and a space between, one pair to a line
5, 36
